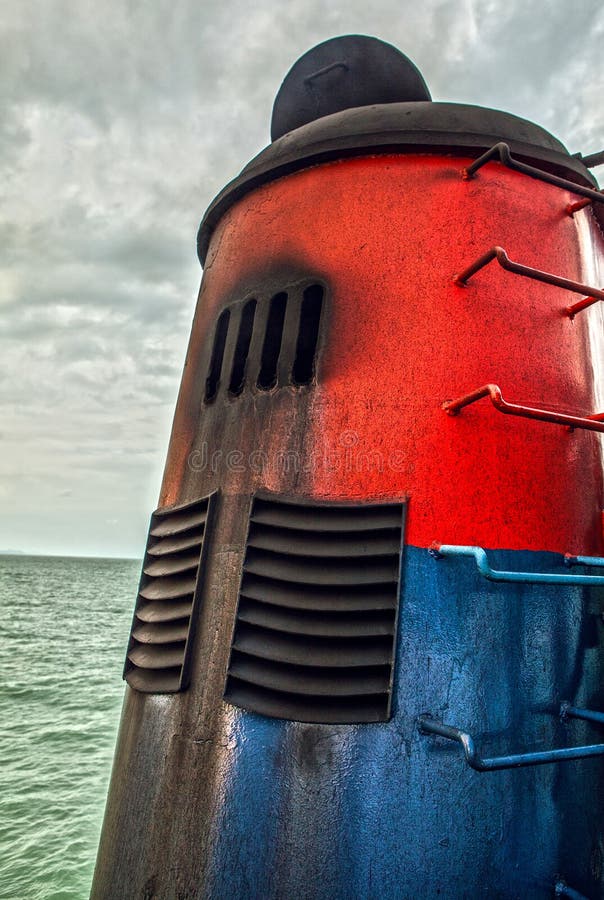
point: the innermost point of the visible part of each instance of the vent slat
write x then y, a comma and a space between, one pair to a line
168, 588
151, 656
155, 681
217, 358
327, 571
330, 599
282, 705
181, 521
337, 518
308, 334
158, 611
320, 624
316, 652
333, 544
167, 545
172, 565
319, 681
158, 649
271, 347
163, 633
314, 635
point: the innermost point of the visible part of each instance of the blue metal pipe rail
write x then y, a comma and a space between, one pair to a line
439, 551
588, 715
563, 890
428, 725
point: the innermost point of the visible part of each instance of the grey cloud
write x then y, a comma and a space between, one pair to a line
14, 136
537, 64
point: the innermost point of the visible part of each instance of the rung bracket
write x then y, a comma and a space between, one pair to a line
503, 152
588, 715
438, 551
590, 423
572, 208
427, 725
500, 255
570, 560
563, 890
592, 159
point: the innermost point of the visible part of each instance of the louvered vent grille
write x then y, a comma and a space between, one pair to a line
266, 342
315, 631
160, 638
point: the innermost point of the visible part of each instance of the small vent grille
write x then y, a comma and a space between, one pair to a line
266, 342
160, 638
315, 631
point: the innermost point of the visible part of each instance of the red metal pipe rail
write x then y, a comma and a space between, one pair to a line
498, 253
572, 310
590, 423
572, 208
502, 151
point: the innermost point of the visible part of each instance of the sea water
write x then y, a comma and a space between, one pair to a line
64, 625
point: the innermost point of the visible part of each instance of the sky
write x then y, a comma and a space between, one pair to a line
121, 121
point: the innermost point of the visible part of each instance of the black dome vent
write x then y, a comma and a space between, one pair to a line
342, 73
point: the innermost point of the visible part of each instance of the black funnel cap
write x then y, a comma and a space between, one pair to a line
342, 73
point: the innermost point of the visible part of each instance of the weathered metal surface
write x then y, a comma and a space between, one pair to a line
210, 800
399, 338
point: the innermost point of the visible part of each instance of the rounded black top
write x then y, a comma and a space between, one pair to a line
442, 128
344, 73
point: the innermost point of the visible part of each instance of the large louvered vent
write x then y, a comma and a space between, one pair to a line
314, 637
160, 639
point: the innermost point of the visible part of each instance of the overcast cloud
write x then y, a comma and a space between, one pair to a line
120, 123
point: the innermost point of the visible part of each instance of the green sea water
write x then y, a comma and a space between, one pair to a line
64, 625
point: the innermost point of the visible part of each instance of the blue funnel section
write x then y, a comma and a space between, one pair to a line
381, 810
